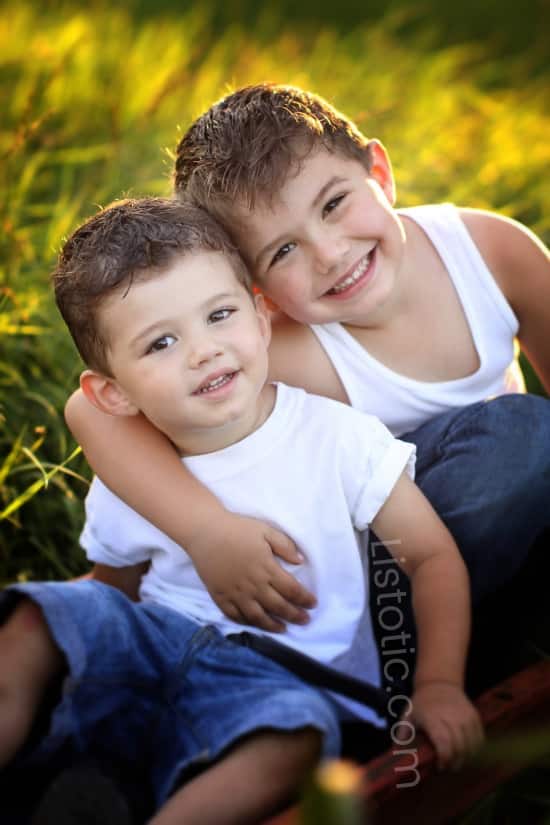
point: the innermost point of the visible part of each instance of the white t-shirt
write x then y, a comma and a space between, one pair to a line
317, 470
404, 403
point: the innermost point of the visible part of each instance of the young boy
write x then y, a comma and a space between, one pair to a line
159, 305
409, 315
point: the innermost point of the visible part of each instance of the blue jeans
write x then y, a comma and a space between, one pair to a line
486, 470
145, 684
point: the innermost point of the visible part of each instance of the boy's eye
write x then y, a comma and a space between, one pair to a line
163, 342
282, 252
332, 204
220, 315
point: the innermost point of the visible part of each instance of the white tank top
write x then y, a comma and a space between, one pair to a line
403, 403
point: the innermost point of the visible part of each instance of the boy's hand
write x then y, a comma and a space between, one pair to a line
450, 721
243, 577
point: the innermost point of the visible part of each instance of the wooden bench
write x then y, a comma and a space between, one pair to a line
404, 786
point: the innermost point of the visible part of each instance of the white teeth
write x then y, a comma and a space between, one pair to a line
217, 382
354, 277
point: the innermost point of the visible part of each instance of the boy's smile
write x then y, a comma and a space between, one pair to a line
329, 246
188, 348
352, 281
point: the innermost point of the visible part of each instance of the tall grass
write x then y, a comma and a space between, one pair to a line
93, 100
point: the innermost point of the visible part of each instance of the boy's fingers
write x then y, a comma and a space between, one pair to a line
290, 589
443, 739
283, 546
480, 733
462, 745
254, 614
280, 608
271, 612
444, 747
232, 612
474, 735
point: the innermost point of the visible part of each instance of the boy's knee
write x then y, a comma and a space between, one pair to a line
307, 747
520, 426
26, 641
497, 445
25, 618
291, 756
517, 419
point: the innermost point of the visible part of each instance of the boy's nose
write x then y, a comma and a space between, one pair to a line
329, 252
202, 352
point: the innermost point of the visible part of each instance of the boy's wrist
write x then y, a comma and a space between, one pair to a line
208, 530
438, 680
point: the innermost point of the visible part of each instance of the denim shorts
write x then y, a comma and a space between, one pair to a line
146, 684
486, 470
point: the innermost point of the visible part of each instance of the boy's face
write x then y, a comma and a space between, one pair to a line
330, 246
188, 349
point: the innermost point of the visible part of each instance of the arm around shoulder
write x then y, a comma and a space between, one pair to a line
297, 358
520, 263
233, 555
140, 465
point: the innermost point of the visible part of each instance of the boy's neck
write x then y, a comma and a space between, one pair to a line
213, 439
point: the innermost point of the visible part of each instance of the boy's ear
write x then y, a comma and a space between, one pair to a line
271, 305
105, 394
262, 311
379, 167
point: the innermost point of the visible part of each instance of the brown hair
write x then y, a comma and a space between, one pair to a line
247, 144
126, 241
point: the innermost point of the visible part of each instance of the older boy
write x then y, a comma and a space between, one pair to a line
158, 303
409, 315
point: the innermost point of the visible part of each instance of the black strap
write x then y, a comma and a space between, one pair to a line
312, 671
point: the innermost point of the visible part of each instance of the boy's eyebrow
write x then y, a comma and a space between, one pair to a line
325, 188
144, 333
321, 194
222, 296
162, 322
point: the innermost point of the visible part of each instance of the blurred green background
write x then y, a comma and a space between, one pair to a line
94, 97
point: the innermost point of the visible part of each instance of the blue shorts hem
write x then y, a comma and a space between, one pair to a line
317, 715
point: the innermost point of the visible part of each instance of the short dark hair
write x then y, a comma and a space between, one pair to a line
247, 144
128, 240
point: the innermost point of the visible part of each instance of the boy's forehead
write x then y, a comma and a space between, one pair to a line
305, 180
304, 189
254, 226
189, 278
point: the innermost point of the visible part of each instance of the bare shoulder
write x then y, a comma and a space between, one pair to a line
297, 358
520, 264
496, 233
514, 254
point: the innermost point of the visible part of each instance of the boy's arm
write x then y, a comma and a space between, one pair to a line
425, 550
232, 554
126, 579
521, 265
312, 371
